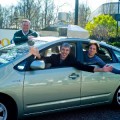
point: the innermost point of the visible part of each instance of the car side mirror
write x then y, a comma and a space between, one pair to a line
37, 64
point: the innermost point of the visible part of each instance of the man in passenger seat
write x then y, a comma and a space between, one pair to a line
90, 57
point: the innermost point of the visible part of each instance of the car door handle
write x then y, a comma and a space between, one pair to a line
73, 76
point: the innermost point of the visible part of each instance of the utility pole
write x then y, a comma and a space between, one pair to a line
76, 11
117, 20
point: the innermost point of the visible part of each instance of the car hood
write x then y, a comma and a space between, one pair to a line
11, 52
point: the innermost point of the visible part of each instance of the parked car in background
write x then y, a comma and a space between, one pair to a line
44, 89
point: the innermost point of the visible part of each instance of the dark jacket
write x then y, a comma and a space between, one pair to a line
20, 38
70, 61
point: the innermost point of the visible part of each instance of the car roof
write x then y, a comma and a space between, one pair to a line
47, 38
51, 39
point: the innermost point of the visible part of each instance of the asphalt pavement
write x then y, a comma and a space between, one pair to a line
90, 113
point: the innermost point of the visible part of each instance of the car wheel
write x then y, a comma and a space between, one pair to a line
7, 111
116, 100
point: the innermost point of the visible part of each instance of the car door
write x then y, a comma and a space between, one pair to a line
52, 88
97, 87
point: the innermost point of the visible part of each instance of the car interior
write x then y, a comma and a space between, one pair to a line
56, 50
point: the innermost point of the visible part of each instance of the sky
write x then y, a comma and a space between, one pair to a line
93, 4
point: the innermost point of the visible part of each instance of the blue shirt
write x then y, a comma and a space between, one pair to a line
97, 60
93, 60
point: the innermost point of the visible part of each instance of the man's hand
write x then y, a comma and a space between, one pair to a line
34, 51
107, 68
30, 37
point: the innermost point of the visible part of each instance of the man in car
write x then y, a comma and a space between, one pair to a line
90, 56
25, 33
65, 59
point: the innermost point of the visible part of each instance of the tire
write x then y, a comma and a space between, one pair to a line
116, 100
7, 111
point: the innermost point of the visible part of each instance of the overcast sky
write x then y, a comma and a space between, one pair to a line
93, 4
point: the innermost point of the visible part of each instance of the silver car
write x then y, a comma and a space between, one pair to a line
42, 88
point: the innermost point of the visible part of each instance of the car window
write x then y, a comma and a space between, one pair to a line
117, 53
53, 49
103, 53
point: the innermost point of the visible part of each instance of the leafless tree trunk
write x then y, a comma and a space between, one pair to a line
84, 12
41, 13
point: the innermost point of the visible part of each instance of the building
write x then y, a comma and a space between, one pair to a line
111, 8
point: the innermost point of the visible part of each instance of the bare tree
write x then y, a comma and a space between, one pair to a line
41, 13
1, 16
11, 16
84, 12
48, 12
26, 8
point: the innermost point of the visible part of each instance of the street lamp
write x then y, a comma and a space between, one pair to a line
76, 11
117, 19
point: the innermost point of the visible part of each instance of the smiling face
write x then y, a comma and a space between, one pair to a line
25, 26
64, 52
92, 50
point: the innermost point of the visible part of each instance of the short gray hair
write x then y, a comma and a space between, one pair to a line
66, 45
26, 20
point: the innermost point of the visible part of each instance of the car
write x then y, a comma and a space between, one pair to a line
42, 88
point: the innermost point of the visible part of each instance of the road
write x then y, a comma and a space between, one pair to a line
90, 113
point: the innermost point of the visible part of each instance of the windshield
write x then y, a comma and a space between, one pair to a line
11, 52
